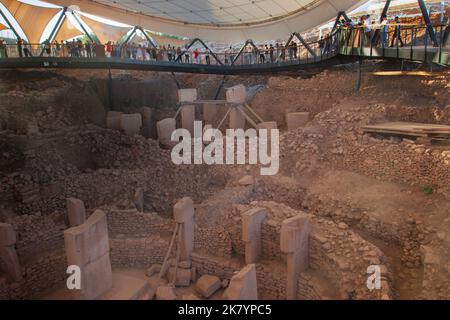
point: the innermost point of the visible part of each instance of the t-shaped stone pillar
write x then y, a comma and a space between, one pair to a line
8, 254
236, 96
183, 213
165, 128
187, 110
251, 233
294, 241
87, 246
76, 212
243, 285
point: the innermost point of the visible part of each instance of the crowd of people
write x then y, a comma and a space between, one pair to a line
370, 32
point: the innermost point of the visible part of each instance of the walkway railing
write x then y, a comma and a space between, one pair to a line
409, 42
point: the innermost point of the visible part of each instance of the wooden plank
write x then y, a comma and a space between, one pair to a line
411, 129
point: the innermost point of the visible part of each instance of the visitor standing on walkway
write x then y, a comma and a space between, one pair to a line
196, 56
207, 56
20, 47
384, 32
3, 49
367, 30
271, 53
397, 38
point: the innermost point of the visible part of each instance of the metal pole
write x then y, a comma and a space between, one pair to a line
149, 39
427, 19
56, 29
82, 27
130, 35
385, 9
9, 24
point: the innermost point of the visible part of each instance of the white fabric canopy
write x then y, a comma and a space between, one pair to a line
105, 32
32, 19
209, 20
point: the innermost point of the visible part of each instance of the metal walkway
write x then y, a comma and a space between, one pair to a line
342, 46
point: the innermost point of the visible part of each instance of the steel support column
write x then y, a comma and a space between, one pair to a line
9, 24
82, 26
130, 35
56, 29
248, 42
204, 45
149, 39
427, 19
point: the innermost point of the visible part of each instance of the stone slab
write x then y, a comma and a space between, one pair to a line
243, 285
296, 120
7, 235
165, 128
76, 211
236, 94
10, 262
131, 124
87, 242
187, 95
207, 285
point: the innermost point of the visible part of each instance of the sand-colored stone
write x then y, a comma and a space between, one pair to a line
236, 94
165, 128
243, 285
296, 120
131, 124
75, 211
187, 95
251, 233
10, 262
207, 285
7, 235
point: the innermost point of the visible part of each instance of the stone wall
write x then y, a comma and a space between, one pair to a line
36, 235
212, 265
137, 252
402, 162
214, 241
271, 281
39, 276
134, 223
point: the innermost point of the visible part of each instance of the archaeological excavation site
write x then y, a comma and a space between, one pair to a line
207, 152
87, 180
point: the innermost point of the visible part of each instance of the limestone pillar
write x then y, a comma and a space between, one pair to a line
251, 233
75, 211
87, 246
296, 120
187, 110
294, 242
183, 213
269, 125
236, 97
165, 129
131, 124
243, 285
113, 120
188, 118
8, 254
